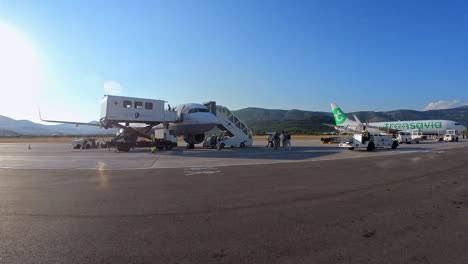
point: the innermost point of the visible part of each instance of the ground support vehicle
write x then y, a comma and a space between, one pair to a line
451, 136
84, 143
234, 132
370, 143
330, 140
409, 136
210, 142
163, 139
227, 139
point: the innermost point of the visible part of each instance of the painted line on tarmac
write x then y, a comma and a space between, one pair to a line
200, 171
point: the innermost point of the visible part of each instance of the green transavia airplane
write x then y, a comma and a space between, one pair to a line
428, 127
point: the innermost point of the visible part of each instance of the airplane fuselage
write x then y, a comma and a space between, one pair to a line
428, 127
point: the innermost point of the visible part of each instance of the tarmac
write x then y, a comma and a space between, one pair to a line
62, 156
314, 204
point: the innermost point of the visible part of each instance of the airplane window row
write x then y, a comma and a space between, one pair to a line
195, 110
137, 105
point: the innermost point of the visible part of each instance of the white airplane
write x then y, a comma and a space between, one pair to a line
428, 127
138, 117
194, 121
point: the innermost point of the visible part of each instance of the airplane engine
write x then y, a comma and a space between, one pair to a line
131, 138
194, 139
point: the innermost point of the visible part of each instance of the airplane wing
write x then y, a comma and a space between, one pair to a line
357, 119
70, 122
330, 125
341, 128
383, 129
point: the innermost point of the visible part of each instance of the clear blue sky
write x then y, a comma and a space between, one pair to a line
363, 55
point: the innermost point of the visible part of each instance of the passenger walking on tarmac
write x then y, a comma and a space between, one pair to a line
270, 141
276, 140
288, 141
283, 139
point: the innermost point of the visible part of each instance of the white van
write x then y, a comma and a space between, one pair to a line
417, 135
226, 139
404, 137
451, 135
409, 136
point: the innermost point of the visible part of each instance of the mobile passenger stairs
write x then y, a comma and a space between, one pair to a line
230, 131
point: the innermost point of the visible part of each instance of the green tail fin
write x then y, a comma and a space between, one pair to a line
340, 116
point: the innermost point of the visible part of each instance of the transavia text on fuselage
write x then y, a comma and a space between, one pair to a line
414, 125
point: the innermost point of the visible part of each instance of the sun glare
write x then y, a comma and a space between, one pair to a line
19, 65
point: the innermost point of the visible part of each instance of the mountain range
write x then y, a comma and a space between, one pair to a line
258, 119
308, 122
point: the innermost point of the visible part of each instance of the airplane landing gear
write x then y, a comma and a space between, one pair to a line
190, 146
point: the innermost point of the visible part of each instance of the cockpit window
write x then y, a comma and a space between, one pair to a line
196, 110
457, 124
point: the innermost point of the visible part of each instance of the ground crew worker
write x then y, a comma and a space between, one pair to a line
153, 144
365, 134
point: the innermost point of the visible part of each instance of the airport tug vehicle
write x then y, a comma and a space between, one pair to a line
84, 143
164, 139
358, 140
451, 136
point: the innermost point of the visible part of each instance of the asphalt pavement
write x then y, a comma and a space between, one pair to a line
408, 208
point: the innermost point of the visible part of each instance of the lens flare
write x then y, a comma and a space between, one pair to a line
20, 73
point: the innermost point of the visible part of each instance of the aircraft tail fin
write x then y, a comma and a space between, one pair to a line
339, 115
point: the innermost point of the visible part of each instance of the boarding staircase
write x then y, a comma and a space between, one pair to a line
230, 124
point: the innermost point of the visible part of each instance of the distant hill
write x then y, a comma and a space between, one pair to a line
8, 133
265, 120
456, 114
297, 121
12, 127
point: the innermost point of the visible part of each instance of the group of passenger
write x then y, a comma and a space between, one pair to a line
278, 140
